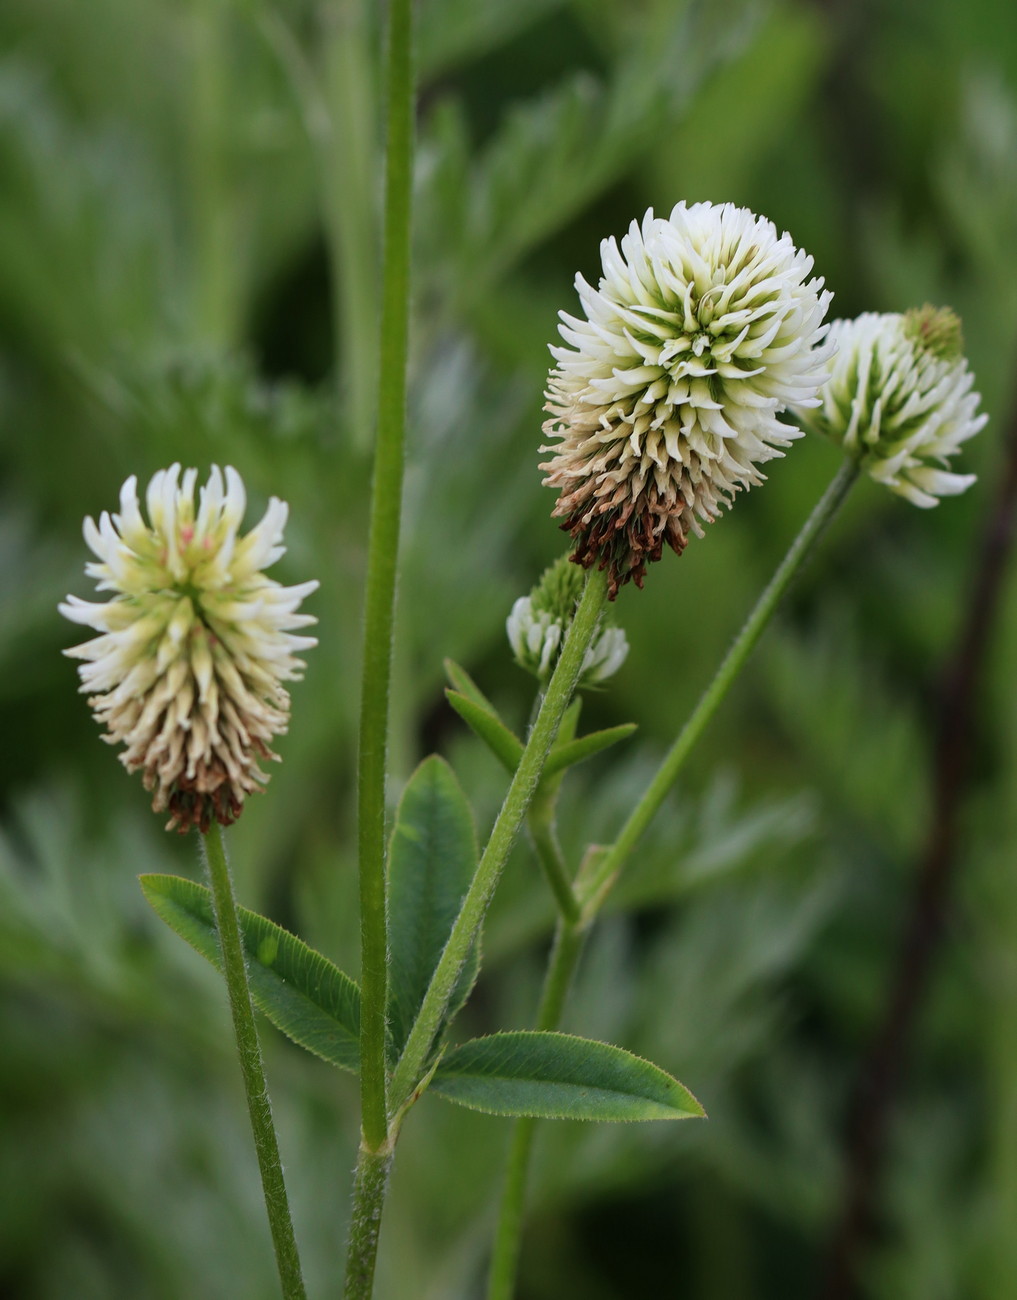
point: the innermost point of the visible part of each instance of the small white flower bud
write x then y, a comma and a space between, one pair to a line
537, 625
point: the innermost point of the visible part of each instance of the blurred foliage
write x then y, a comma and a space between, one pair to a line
188, 246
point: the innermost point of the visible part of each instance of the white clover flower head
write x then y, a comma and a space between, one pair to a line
705, 326
537, 625
195, 644
899, 400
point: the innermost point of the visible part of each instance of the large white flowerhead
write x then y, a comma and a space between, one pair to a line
704, 328
538, 623
899, 400
195, 644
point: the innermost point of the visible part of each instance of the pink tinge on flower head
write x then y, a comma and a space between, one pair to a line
704, 327
188, 668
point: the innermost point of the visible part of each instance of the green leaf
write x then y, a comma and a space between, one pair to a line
576, 751
503, 743
431, 862
557, 1076
298, 989
465, 685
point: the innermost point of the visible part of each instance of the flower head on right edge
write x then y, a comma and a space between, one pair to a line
899, 400
538, 623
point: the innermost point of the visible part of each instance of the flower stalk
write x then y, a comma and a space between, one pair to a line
540, 824
569, 938
413, 1062
607, 868
259, 1107
593, 885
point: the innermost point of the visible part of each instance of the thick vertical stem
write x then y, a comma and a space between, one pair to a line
258, 1105
383, 548
370, 1183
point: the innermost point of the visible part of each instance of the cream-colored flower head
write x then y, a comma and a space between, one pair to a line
899, 400
195, 644
704, 328
537, 625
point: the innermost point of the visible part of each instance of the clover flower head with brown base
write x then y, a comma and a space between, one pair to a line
188, 670
705, 326
899, 400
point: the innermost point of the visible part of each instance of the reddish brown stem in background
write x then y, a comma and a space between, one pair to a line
880, 1077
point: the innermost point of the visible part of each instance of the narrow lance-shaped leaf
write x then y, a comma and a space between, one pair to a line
557, 1076
504, 744
570, 752
431, 862
465, 685
298, 989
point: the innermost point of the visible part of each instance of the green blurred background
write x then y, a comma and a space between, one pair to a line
188, 248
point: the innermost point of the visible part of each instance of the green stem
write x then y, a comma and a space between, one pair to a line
524, 783
568, 947
570, 934
540, 824
383, 548
258, 1105
611, 862
370, 1184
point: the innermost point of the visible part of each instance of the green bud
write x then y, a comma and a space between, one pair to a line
559, 590
936, 330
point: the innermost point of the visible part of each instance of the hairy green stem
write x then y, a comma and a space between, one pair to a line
370, 1183
569, 936
540, 824
249, 1050
412, 1063
383, 548
568, 946
642, 814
